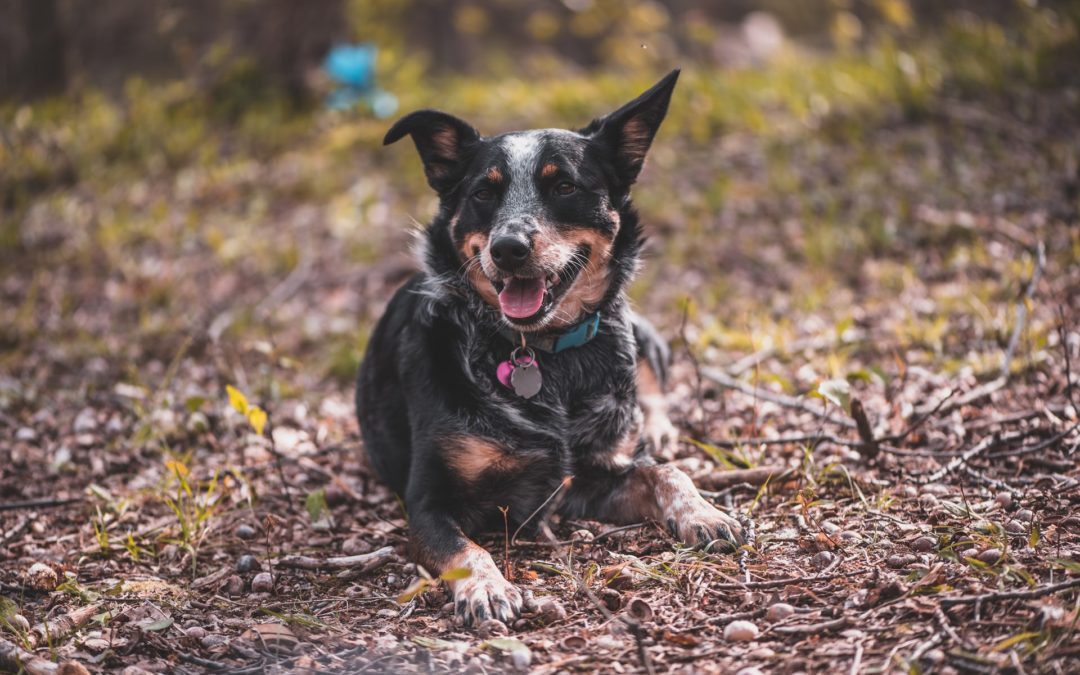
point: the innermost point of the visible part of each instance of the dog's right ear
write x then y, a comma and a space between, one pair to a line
443, 141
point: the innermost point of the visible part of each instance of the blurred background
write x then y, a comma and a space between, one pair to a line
177, 174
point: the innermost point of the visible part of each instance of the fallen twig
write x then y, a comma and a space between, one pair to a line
1011, 595
39, 503
725, 380
812, 628
364, 562
776, 583
805, 344
62, 626
15, 659
718, 480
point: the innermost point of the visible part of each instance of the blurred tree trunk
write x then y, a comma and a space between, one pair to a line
40, 70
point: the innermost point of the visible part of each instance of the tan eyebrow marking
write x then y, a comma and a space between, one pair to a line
548, 170
494, 175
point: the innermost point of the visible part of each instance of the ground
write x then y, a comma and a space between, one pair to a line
871, 287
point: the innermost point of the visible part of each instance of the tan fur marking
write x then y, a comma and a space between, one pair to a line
494, 175
548, 170
647, 381
471, 457
592, 282
471, 249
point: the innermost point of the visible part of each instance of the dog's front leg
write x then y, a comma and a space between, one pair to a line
657, 492
441, 546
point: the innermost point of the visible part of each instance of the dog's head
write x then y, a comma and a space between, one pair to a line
533, 218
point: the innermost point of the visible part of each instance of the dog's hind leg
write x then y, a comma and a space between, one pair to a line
653, 358
657, 492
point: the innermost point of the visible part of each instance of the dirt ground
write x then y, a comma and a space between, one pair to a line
891, 402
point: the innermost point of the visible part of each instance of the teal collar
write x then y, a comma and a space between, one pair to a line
553, 344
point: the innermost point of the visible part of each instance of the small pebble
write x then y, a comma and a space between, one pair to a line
355, 546
85, 421
20, 622
924, 544
928, 501
582, 535
1025, 515
750, 670
233, 586
528, 602
490, 628
612, 599
851, 537
822, 559
900, 560
196, 632
262, 583
934, 656
245, 531
26, 435
521, 658
247, 563
990, 556
969, 553
1015, 527
779, 611
740, 631
213, 640
392, 580
761, 653
1004, 499
552, 611
41, 577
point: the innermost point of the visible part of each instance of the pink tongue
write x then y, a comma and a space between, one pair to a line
521, 298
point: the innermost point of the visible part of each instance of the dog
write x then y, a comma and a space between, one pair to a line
511, 368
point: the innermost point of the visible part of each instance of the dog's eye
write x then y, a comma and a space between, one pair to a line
565, 188
483, 195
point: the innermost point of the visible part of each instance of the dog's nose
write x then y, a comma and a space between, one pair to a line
510, 252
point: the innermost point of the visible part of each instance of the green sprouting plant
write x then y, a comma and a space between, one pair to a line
194, 505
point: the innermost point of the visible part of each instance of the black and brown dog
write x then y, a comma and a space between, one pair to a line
513, 361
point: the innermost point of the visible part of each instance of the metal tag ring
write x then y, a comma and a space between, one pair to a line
515, 355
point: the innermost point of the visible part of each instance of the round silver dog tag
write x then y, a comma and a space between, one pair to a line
526, 380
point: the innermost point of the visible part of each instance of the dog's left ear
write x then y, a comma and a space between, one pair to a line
628, 132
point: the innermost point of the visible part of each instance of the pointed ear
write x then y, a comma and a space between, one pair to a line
443, 141
628, 132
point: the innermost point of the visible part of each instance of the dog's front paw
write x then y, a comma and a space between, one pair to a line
485, 594
704, 526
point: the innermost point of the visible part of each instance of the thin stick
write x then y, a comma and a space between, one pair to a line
805, 344
364, 562
777, 583
723, 379
39, 503
1021, 307
757, 476
812, 628
1011, 595
565, 483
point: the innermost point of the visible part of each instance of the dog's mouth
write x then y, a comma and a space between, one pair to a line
526, 300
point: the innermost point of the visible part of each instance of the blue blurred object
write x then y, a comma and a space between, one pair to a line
353, 67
